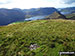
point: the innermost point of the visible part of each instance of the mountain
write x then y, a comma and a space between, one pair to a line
56, 15
68, 10
51, 37
39, 11
11, 15
8, 16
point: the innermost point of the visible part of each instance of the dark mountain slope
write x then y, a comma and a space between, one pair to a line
13, 15
39, 11
10, 15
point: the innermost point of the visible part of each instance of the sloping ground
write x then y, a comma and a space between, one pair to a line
51, 36
55, 15
71, 16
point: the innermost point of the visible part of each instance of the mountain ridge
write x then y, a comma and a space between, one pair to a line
13, 15
8, 16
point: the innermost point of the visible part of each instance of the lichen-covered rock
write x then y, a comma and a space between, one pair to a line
33, 46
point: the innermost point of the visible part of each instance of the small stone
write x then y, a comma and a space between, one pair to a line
33, 46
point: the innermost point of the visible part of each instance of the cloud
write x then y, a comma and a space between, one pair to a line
27, 4
68, 1
5, 1
35, 3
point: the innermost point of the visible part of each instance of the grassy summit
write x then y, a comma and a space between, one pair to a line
51, 36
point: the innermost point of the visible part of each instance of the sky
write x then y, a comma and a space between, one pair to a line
27, 4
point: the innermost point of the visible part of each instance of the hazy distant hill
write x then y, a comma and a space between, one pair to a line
13, 15
54, 15
39, 11
10, 15
68, 10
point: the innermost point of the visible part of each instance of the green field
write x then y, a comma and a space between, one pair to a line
51, 36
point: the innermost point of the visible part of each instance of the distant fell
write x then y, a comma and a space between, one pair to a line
68, 10
11, 15
39, 11
55, 15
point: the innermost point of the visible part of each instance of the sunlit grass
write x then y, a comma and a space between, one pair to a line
51, 35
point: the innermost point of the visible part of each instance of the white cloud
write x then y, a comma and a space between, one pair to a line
33, 3
5, 1
68, 1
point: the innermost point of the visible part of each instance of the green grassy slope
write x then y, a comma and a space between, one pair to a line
51, 35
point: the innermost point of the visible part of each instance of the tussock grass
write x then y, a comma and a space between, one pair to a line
51, 35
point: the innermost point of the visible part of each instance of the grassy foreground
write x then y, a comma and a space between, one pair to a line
51, 35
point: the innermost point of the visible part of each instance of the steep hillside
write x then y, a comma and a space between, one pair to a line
10, 15
51, 36
39, 11
56, 15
